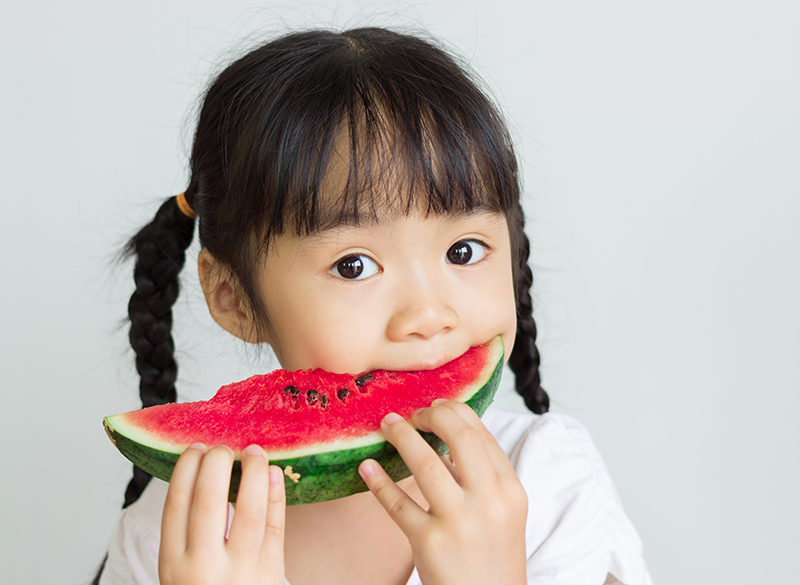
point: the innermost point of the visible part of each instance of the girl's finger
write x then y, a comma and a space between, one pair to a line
497, 456
448, 463
178, 505
406, 513
247, 528
433, 478
209, 514
467, 445
275, 529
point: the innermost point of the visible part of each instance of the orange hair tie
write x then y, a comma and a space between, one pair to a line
184, 206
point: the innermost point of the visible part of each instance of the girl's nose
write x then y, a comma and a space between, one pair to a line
422, 310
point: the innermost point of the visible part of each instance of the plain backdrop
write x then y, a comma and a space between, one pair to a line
660, 147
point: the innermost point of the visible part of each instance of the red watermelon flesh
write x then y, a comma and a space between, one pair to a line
299, 416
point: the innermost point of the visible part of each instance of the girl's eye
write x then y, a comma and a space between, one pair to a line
465, 252
355, 267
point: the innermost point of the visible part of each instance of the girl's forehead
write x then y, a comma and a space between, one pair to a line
389, 206
388, 217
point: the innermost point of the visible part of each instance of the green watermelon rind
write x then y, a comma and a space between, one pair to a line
321, 476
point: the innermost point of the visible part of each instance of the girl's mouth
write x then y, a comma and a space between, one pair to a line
431, 364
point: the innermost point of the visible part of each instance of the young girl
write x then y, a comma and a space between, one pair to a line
357, 201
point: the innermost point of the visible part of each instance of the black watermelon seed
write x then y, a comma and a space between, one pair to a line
293, 390
342, 394
363, 379
312, 396
324, 401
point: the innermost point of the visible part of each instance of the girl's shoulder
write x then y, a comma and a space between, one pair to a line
134, 543
577, 531
133, 547
541, 437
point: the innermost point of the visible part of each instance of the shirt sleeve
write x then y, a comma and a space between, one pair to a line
133, 547
132, 553
576, 532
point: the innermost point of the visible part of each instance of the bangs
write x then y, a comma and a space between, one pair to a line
359, 130
385, 157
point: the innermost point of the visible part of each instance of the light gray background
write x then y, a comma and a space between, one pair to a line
661, 149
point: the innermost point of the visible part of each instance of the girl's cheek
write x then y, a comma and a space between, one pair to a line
495, 307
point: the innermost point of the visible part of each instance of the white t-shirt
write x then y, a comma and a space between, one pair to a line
576, 531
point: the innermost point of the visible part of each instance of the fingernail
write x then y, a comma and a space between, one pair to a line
392, 418
416, 412
366, 468
438, 401
275, 475
254, 450
198, 446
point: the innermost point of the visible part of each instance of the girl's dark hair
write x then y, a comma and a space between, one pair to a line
397, 109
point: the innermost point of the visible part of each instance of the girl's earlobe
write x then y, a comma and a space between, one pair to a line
223, 298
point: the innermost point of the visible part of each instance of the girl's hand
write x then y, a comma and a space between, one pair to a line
474, 531
193, 545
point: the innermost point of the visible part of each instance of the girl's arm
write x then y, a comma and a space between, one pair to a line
194, 549
474, 531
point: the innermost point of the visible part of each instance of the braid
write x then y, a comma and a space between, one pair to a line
524, 358
160, 249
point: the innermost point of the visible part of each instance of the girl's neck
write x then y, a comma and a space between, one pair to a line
350, 540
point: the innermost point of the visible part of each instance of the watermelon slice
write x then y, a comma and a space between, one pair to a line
315, 425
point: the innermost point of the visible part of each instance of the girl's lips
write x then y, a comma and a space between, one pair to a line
427, 365
430, 365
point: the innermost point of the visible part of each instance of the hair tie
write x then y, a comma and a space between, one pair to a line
184, 206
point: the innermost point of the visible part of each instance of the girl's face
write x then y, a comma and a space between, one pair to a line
401, 293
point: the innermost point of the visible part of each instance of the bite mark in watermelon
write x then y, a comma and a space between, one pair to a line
315, 425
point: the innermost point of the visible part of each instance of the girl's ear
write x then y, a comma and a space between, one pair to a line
224, 299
